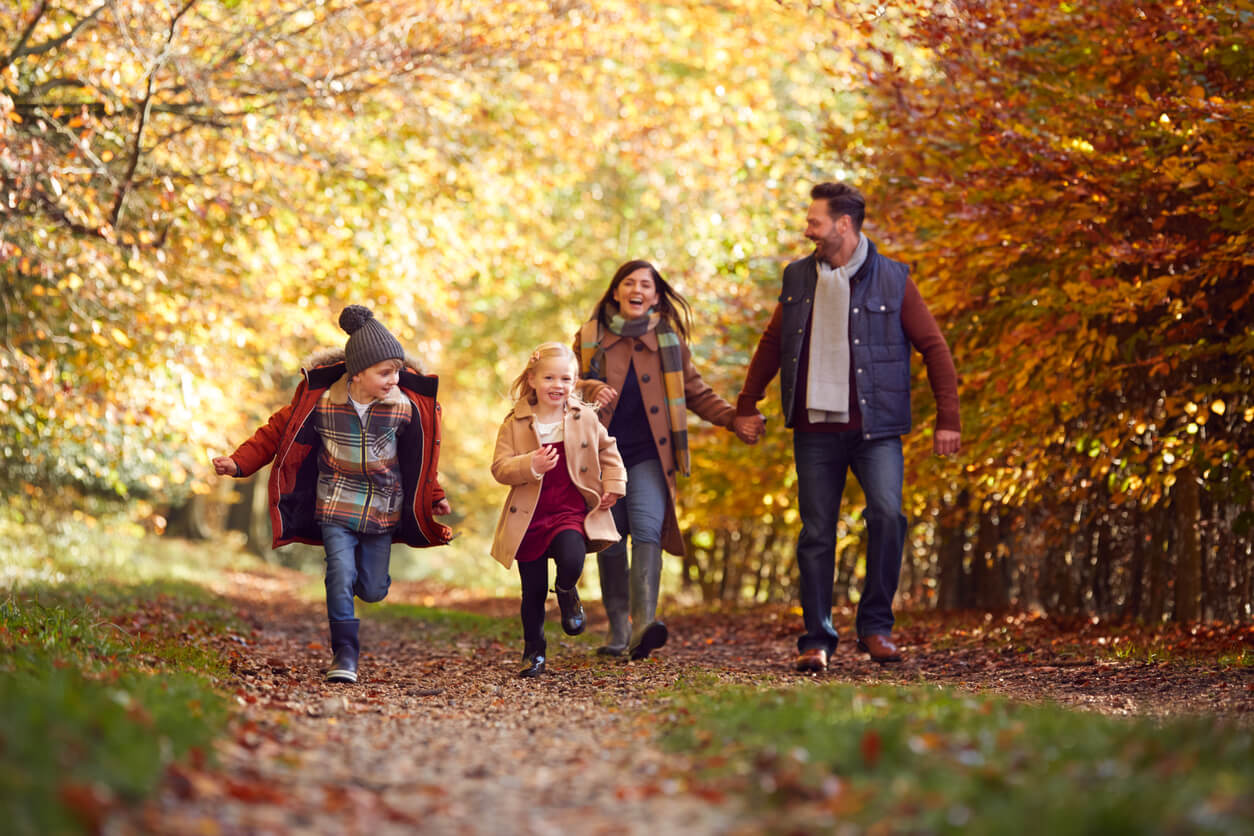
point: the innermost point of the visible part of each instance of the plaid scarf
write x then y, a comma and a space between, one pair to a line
592, 367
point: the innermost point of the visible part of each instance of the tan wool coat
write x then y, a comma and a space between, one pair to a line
591, 458
622, 353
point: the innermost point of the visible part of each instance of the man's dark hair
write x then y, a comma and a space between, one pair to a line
842, 200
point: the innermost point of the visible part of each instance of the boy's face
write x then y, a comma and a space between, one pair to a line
377, 381
553, 378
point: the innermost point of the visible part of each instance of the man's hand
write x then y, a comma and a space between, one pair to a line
946, 442
749, 428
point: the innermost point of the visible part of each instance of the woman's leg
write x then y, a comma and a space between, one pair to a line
615, 597
647, 496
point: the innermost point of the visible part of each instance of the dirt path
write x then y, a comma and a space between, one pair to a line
441, 737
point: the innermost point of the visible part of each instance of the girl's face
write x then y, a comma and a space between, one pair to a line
377, 381
636, 293
553, 378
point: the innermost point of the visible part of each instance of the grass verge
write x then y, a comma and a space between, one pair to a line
892, 759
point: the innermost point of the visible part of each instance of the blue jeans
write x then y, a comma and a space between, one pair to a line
642, 512
357, 564
823, 461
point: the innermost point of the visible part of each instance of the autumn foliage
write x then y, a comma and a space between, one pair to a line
190, 192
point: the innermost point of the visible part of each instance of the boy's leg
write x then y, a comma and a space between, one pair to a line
569, 550
341, 548
341, 556
374, 555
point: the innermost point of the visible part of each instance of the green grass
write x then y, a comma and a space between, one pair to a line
106, 668
926, 760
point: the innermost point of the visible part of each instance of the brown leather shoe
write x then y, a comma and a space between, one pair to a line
813, 660
880, 648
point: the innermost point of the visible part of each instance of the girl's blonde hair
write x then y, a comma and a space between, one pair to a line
521, 387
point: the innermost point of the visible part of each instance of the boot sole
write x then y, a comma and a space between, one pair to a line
654, 636
341, 676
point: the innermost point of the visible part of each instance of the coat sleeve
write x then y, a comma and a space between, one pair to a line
613, 472
764, 365
586, 389
510, 467
700, 398
259, 451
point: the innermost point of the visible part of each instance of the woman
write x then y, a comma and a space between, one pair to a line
637, 369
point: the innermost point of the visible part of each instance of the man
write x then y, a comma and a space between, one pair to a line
840, 338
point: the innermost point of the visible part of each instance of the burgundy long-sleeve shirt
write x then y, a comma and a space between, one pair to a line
922, 331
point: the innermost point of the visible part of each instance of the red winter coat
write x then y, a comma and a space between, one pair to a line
291, 441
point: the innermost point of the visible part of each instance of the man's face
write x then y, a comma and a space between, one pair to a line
830, 235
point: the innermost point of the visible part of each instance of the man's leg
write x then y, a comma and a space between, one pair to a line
821, 467
879, 467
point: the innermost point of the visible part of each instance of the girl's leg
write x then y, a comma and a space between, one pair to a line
568, 550
534, 575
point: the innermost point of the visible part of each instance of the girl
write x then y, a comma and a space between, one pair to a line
564, 474
638, 370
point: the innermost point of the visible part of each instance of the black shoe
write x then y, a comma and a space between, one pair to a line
345, 646
533, 658
535, 666
573, 620
653, 637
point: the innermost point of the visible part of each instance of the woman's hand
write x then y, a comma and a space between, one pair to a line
544, 459
606, 396
225, 466
608, 500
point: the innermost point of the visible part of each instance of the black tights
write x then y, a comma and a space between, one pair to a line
568, 551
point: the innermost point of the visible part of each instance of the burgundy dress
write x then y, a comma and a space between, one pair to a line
560, 507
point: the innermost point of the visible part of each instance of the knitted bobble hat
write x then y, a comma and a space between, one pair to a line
368, 341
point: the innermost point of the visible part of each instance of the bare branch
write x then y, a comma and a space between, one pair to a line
21, 50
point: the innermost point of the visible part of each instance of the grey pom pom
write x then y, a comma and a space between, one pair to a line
353, 317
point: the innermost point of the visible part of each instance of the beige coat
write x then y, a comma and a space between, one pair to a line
594, 466
623, 352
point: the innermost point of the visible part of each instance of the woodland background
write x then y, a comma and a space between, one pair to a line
190, 191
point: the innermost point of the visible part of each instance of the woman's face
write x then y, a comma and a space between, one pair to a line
636, 293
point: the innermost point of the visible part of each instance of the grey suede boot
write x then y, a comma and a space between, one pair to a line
345, 646
612, 563
647, 633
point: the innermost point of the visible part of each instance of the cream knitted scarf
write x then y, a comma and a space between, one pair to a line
827, 379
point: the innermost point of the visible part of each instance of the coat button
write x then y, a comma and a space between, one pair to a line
513, 508
855, 310
883, 307
577, 416
661, 442
644, 378
585, 444
639, 346
653, 410
583, 469
856, 341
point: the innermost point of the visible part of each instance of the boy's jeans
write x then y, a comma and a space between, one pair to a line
357, 564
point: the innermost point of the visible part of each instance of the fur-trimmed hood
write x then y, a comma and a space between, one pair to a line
327, 356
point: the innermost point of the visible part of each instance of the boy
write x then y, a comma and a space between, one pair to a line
355, 468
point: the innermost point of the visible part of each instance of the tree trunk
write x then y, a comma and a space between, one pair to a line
1189, 561
951, 580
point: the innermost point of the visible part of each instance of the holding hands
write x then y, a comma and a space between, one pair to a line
605, 396
608, 500
749, 428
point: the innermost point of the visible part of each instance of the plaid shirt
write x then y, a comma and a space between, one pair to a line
359, 474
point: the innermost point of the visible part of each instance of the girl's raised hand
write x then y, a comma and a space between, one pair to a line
544, 459
606, 396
